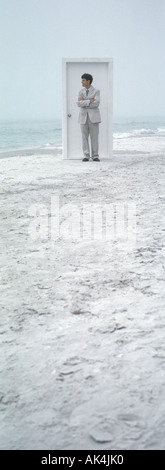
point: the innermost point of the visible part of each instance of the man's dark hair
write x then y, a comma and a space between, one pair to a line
87, 76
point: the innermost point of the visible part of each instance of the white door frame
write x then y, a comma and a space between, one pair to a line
65, 62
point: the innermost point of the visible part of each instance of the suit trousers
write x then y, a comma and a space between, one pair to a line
90, 129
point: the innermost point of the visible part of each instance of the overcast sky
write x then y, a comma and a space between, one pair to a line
36, 34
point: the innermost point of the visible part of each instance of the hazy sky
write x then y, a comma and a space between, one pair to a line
36, 34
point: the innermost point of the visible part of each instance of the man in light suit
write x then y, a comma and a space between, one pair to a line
89, 117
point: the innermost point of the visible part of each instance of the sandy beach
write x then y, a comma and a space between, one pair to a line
82, 312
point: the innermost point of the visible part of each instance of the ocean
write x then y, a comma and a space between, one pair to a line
30, 134
130, 134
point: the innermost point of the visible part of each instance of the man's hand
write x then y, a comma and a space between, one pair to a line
82, 99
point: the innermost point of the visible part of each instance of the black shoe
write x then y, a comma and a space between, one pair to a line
85, 159
96, 159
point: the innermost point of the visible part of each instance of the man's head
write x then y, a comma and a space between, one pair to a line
87, 79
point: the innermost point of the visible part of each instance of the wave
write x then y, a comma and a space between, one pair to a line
160, 131
51, 145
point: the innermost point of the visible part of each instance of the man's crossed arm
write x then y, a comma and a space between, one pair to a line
83, 99
93, 102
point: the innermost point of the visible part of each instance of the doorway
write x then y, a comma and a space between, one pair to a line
102, 72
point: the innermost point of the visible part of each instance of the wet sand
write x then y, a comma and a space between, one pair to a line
82, 319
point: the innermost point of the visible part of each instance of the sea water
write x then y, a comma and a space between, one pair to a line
129, 134
30, 134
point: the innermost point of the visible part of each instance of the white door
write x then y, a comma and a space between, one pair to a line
102, 72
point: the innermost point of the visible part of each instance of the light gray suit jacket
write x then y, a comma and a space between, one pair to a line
92, 109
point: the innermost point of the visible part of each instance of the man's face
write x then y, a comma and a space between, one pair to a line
85, 83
